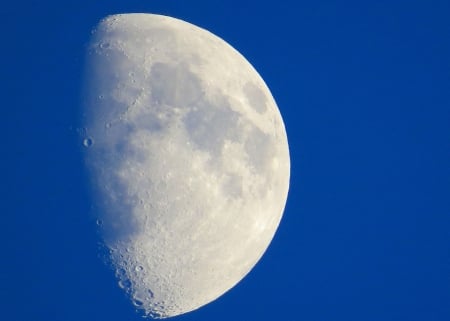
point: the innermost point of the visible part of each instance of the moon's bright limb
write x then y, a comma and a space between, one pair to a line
189, 158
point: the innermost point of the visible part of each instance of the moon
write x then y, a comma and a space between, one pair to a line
188, 158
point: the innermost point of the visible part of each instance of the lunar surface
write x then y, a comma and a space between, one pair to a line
188, 157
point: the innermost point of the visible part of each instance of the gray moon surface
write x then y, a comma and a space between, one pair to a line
188, 157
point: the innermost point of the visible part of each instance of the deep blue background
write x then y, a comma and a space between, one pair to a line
364, 89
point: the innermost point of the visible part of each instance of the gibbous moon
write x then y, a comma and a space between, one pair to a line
188, 157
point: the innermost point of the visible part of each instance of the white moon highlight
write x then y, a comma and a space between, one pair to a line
188, 156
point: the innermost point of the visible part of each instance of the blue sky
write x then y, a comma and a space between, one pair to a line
363, 87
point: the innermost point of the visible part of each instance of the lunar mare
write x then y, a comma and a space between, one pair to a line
188, 157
